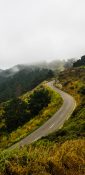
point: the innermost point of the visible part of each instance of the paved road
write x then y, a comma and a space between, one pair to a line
55, 122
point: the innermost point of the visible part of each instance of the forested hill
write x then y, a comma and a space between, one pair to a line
80, 62
20, 79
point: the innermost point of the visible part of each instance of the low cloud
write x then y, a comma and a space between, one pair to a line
32, 31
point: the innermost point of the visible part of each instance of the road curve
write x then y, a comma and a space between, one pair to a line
54, 123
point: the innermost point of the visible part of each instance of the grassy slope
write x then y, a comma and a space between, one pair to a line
9, 138
45, 158
62, 152
72, 80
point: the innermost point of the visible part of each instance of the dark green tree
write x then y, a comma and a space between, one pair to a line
24, 80
80, 62
38, 100
15, 114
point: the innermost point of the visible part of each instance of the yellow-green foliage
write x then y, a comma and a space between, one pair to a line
34, 123
72, 81
45, 158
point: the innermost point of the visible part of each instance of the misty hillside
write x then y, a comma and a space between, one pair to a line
20, 79
80, 62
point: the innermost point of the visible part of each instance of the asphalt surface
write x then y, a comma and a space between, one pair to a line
54, 123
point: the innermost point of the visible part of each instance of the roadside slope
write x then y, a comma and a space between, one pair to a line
53, 123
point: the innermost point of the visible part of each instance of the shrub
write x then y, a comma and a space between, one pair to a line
82, 90
38, 100
15, 114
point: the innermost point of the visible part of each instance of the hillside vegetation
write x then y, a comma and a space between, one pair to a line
80, 62
20, 79
62, 152
20, 116
73, 82
45, 158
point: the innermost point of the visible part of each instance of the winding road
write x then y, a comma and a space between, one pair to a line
55, 122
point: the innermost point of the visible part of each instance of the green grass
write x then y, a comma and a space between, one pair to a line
7, 139
74, 128
72, 81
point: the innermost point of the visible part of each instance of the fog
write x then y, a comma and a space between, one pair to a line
36, 30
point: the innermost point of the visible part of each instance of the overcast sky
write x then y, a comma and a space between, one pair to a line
34, 30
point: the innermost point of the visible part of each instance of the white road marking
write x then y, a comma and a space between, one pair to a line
52, 125
36, 139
